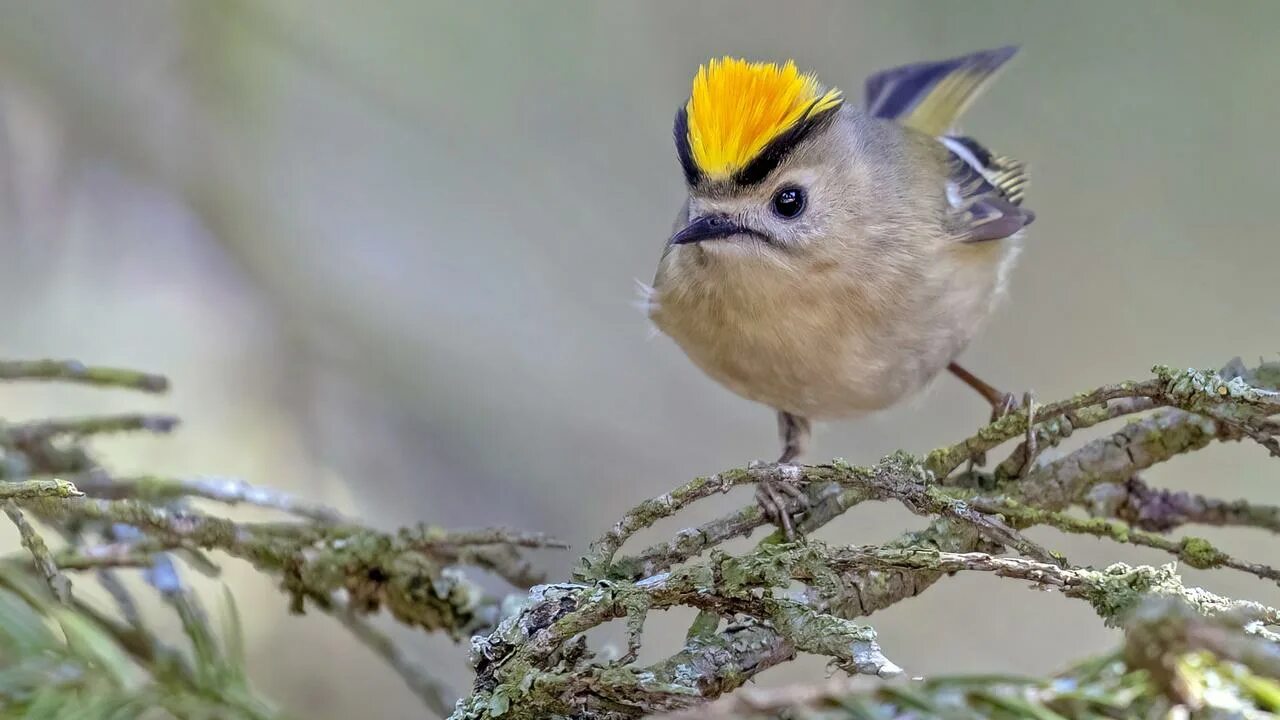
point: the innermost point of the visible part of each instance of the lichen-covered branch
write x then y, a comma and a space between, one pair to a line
540, 639
410, 572
756, 609
322, 559
1174, 662
34, 543
1194, 551
1160, 510
967, 519
1196, 391
230, 491
24, 489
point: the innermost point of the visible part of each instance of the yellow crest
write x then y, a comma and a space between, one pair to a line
737, 107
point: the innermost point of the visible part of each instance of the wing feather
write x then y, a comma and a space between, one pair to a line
931, 96
985, 191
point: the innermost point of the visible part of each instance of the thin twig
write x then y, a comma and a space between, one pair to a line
429, 690
1161, 510
433, 537
92, 425
230, 491
1190, 390
35, 544
599, 556
114, 586
24, 489
1196, 552
77, 372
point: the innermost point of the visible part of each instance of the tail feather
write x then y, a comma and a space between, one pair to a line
931, 96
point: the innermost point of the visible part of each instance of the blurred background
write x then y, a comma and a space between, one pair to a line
387, 254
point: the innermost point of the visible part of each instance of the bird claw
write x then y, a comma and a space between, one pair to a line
1009, 403
783, 500
1030, 443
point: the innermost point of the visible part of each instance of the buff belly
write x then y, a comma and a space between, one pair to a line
822, 350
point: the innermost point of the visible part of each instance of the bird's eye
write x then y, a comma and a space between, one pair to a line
789, 202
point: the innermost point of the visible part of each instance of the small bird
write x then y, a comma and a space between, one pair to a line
832, 260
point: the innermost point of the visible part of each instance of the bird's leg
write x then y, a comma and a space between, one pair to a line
1001, 404
781, 498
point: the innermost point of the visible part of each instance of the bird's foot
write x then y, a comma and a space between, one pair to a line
782, 498
1029, 443
1007, 404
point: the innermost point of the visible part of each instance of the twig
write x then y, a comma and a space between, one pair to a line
827, 500
38, 488
430, 691
1052, 432
1160, 510
1135, 447
1113, 591
435, 537
231, 491
1196, 552
114, 587
688, 543
1191, 390
899, 477
77, 372
315, 560
93, 425
110, 555
760, 701
595, 564
35, 544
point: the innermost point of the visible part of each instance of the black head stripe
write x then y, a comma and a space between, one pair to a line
681, 131
780, 147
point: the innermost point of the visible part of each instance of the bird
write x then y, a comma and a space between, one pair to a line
831, 260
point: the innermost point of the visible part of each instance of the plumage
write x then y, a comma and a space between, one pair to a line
931, 96
738, 111
985, 192
886, 270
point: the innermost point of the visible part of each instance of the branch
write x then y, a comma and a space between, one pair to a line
77, 372
409, 572
856, 583
1171, 656
540, 635
419, 681
756, 610
35, 544
1196, 552
898, 477
1197, 391
231, 491
25, 489
1161, 510
94, 425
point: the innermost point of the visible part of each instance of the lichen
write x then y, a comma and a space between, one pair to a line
1200, 553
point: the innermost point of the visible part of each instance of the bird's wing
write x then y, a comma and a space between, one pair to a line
931, 96
985, 191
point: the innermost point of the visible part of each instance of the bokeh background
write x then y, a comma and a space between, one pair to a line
386, 251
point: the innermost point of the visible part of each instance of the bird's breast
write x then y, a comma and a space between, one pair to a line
821, 345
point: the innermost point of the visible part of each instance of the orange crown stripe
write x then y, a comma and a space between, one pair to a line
737, 107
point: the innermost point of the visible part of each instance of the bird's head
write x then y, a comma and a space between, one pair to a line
763, 167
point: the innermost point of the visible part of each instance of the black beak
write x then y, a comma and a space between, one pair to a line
709, 227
